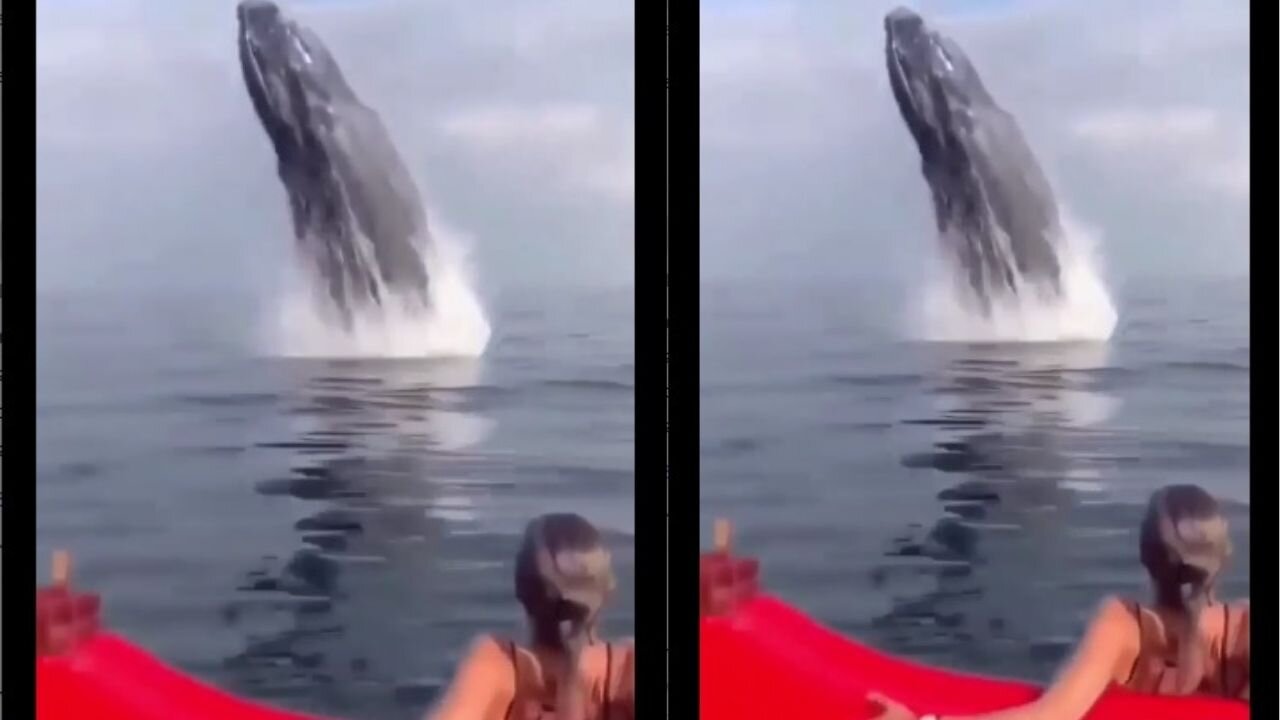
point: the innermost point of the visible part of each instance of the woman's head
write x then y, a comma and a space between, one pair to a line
1184, 543
564, 576
1184, 546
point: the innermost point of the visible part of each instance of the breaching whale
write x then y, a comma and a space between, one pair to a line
994, 207
357, 214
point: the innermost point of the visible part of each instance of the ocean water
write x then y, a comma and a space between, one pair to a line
326, 535
965, 504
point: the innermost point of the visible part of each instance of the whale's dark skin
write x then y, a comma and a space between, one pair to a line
994, 207
357, 214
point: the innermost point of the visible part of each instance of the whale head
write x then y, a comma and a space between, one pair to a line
937, 88
291, 76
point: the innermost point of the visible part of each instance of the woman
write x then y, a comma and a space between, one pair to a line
1183, 643
563, 579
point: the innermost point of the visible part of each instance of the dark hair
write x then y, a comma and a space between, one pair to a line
563, 577
1184, 546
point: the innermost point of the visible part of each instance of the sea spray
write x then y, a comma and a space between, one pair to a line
454, 324
1083, 312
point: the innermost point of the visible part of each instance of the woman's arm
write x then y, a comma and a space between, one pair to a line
1109, 644
483, 686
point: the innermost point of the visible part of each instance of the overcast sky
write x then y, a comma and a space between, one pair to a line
516, 116
1137, 110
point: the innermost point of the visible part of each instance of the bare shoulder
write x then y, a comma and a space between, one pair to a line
484, 681
627, 664
1115, 627
626, 650
1104, 656
624, 680
1115, 614
612, 653
491, 659
621, 665
1235, 614
616, 650
624, 647
1240, 609
487, 649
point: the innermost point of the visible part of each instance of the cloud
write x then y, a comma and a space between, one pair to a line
1195, 144
516, 117
1138, 112
576, 145
1124, 128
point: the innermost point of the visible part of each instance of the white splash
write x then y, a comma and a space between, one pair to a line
454, 324
1084, 312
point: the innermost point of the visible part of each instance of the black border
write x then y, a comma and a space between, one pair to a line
18, 319
650, 343
1262, 355
683, 371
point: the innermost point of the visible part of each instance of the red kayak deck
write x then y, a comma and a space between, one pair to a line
759, 659
107, 678
83, 672
763, 659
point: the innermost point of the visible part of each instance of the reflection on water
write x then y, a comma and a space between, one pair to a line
966, 505
1016, 424
380, 466
1013, 426
1022, 431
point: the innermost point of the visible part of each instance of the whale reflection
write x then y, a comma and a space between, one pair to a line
1020, 450
382, 471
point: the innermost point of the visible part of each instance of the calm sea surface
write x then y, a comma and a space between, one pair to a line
966, 505
327, 535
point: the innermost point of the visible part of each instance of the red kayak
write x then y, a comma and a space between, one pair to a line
763, 659
84, 672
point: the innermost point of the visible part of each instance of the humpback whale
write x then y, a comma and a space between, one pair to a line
357, 215
994, 208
